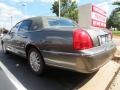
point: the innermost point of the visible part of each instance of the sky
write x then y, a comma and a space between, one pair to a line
16, 10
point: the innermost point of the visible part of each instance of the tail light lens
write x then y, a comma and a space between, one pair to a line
81, 40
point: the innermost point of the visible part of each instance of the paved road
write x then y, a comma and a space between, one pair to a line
117, 41
53, 79
5, 83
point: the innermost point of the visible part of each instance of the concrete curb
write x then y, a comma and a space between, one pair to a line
103, 77
117, 54
112, 85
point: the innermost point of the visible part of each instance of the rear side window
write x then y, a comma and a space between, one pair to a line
61, 22
25, 26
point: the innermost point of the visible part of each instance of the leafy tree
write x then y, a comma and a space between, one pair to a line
55, 8
116, 3
109, 23
68, 9
114, 19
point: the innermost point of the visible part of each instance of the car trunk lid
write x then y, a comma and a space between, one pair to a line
99, 36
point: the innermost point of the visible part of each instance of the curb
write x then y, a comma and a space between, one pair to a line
108, 87
116, 58
101, 80
117, 54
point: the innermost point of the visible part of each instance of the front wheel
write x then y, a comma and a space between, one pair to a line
36, 61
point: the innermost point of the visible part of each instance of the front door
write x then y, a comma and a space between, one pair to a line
22, 37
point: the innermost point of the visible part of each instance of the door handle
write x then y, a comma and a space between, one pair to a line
22, 36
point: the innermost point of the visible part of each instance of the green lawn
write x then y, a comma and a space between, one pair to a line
117, 33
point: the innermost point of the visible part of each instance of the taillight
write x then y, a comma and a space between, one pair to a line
81, 40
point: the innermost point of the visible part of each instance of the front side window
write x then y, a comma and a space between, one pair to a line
16, 27
61, 22
25, 26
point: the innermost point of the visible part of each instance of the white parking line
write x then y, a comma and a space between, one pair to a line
12, 78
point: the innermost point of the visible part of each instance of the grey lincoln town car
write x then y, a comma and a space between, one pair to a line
59, 42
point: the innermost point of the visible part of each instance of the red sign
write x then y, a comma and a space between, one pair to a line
98, 17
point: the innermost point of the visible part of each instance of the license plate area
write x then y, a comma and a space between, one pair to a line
104, 38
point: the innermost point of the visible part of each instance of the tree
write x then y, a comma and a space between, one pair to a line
116, 3
68, 9
55, 8
114, 19
109, 23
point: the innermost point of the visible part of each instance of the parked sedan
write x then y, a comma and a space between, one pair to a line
59, 42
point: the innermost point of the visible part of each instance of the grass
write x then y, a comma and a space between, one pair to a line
116, 33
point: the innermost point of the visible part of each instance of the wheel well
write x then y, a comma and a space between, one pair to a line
28, 47
1, 42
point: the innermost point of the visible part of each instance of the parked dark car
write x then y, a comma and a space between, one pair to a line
61, 43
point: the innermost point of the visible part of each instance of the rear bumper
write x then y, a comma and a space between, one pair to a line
95, 60
85, 61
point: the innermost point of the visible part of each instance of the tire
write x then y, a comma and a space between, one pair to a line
36, 61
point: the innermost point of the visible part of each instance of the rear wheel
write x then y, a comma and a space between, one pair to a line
36, 61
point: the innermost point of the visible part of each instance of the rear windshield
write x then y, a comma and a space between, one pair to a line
61, 22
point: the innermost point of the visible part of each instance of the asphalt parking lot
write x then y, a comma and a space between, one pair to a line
4, 81
53, 79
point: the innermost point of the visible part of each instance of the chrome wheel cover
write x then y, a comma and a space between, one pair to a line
35, 61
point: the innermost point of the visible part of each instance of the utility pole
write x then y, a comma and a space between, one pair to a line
11, 19
59, 8
24, 4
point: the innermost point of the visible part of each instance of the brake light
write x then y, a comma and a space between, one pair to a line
81, 40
